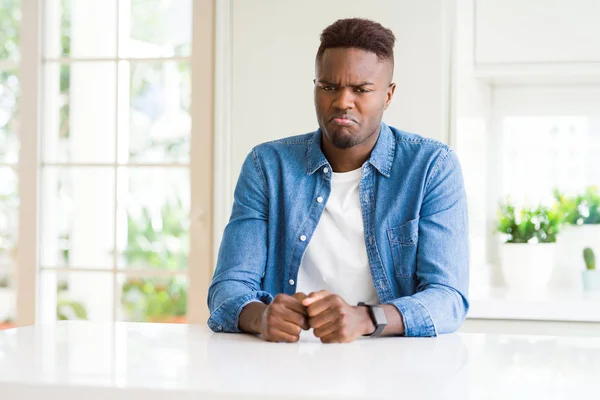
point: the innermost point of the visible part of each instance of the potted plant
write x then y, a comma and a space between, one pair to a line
581, 217
590, 276
529, 245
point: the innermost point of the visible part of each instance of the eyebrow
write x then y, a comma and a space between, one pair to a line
322, 81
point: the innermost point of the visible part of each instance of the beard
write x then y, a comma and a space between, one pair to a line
344, 140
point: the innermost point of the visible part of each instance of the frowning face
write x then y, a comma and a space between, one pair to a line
352, 90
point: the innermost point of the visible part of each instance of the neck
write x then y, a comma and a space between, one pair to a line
345, 160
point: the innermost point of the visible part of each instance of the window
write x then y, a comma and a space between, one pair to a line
114, 181
105, 161
10, 18
543, 153
540, 138
550, 140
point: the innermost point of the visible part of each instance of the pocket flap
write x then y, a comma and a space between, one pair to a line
406, 234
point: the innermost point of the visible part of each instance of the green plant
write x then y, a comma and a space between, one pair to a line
581, 209
160, 242
591, 201
525, 225
153, 299
68, 309
569, 208
590, 259
156, 242
10, 21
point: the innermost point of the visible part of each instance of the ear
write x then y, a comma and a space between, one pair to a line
389, 94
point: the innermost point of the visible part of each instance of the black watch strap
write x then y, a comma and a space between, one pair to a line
377, 316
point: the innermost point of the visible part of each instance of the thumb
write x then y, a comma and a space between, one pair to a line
314, 297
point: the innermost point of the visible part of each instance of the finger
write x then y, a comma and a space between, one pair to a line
326, 330
300, 296
306, 324
287, 327
291, 303
331, 338
304, 321
279, 336
295, 318
322, 319
320, 306
314, 297
291, 311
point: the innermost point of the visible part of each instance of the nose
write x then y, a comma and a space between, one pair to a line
344, 99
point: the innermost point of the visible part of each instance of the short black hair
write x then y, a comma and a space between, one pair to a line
359, 33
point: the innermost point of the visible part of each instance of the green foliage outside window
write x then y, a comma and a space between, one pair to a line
156, 242
150, 244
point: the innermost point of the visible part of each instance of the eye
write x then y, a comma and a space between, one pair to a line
361, 90
328, 88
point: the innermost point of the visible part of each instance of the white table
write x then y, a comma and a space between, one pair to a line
101, 361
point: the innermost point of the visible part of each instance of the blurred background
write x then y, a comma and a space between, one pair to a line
124, 123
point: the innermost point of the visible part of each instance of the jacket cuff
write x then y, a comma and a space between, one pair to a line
225, 318
416, 318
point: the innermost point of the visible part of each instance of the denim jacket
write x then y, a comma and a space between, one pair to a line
414, 212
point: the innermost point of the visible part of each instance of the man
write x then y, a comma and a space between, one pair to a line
356, 212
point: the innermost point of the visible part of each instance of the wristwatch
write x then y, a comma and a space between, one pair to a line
377, 316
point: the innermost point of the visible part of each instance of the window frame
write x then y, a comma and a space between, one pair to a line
30, 66
525, 100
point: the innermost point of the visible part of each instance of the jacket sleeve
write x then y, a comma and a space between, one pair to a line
243, 252
441, 302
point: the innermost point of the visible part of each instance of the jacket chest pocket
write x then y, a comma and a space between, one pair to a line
403, 245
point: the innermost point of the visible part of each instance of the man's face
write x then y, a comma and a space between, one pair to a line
352, 89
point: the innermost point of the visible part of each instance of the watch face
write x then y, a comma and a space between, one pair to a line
379, 315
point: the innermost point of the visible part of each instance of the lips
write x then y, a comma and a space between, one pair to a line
342, 120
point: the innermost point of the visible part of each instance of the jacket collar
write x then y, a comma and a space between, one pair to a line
381, 158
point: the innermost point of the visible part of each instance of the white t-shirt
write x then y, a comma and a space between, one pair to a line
336, 258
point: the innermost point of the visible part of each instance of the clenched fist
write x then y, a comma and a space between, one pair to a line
334, 320
280, 321
284, 319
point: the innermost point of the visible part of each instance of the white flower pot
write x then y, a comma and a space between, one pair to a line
529, 266
571, 242
591, 280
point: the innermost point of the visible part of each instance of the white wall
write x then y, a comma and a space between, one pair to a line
273, 48
537, 31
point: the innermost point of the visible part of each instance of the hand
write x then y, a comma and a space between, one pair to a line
334, 320
284, 319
